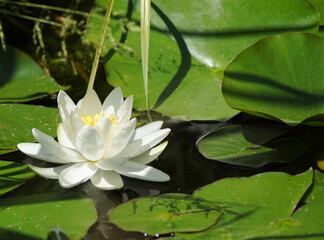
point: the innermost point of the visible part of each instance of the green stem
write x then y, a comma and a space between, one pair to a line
32, 18
145, 39
47, 7
100, 44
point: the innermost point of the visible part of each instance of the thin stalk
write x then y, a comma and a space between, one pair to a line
100, 44
32, 18
145, 39
2, 37
47, 7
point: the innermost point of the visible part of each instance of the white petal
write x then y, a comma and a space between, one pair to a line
131, 148
125, 111
111, 163
120, 140
76, 125
89, 143
104, 128
55, 148
36, 150
136, 170
66, 106
91, 104
151, 140
76, 174
62, 137
150, 155
147, 129
65, 102
114, 99
51, 173
107, 180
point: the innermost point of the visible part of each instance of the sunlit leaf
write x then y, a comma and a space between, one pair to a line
34, 216
17, 120
279, 77
179, 87
21, 79
272, 196
319, 4
217, 30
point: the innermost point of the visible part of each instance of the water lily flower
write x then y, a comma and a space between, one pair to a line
98, 142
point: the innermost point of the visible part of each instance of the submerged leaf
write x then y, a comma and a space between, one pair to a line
166, 214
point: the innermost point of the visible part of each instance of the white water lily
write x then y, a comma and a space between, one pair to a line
98, 142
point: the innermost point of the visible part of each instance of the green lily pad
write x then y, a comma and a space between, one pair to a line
217, 30
17, 120
32, 217
279, 77
12, 175
258, 207
274, 197
319, 4
241, 145
179, 86
166, 213
318, 187
21, 79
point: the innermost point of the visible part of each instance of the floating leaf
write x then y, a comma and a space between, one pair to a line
217, 30
17, 120
274, 196
12, 175
319, 4
242, 146
178, 85
21, 79
165, 214
279, 77
34, 216
254, 207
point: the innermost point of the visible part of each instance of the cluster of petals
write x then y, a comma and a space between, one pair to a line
98, 142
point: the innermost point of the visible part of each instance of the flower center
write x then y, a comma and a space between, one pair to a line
92, 120
113, 119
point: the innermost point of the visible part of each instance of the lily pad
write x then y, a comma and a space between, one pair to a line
178, 85
165, 214
258, 207
279, 77
17, 120
239, 145
12, 175
274, 197
32, 217
319, 4
22, 79
217, 30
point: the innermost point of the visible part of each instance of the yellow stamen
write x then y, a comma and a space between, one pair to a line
113, 119
91, 120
